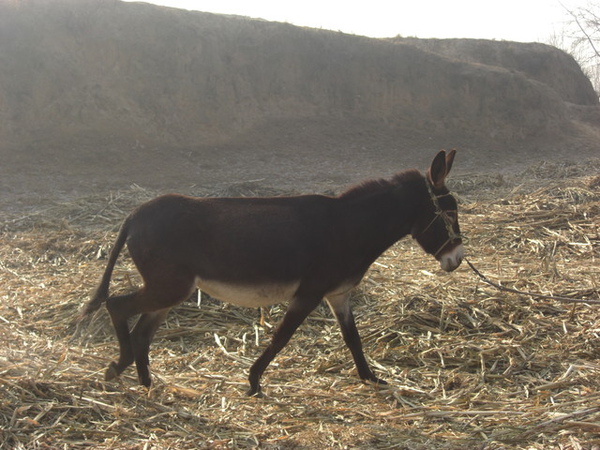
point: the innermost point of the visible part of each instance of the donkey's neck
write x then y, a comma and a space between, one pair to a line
379, 213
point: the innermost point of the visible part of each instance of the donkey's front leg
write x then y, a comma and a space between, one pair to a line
298, 309
340, 306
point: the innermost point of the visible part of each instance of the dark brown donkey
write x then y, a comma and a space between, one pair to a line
261, 251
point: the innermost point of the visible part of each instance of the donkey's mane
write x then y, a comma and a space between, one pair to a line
372, 187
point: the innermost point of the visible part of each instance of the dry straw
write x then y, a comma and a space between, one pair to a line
468, 366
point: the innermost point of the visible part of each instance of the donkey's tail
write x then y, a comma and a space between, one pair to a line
101, 294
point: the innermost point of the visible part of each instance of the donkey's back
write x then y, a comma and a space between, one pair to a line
237, 240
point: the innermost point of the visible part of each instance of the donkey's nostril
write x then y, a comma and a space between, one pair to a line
451, 260
459, 257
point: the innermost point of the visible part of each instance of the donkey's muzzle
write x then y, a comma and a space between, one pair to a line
451, 259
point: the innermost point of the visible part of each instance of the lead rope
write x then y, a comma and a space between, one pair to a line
530, 294
439, 212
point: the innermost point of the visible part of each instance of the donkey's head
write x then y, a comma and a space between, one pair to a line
436, 226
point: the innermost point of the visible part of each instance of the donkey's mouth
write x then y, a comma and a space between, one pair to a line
450, 260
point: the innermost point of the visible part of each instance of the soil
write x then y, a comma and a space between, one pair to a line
33, 181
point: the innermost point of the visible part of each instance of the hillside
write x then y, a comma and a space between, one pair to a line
536, 61
113, 87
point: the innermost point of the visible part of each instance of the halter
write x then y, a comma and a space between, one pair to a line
439, 212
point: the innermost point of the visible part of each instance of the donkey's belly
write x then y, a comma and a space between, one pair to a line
249, 295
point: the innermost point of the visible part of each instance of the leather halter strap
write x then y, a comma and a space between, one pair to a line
439, 212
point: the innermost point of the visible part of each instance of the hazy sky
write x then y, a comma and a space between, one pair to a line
518, 20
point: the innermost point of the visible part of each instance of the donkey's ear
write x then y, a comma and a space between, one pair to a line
440, 167
449, 160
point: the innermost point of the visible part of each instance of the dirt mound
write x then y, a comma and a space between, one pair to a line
97, 95
106, 72
537, 61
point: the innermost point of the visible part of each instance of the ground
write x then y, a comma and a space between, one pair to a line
468, 366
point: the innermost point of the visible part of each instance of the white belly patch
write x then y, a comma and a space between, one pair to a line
251, 296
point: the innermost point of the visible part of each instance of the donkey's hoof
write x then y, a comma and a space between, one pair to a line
111, 372
374, 380
255, 392
145, 381
378, 382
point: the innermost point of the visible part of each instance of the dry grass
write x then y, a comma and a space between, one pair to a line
468, 366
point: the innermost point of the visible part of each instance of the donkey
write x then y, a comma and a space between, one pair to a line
261, 251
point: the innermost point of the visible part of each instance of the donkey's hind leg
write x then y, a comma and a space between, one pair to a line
153, 301
121, 326
141, 337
